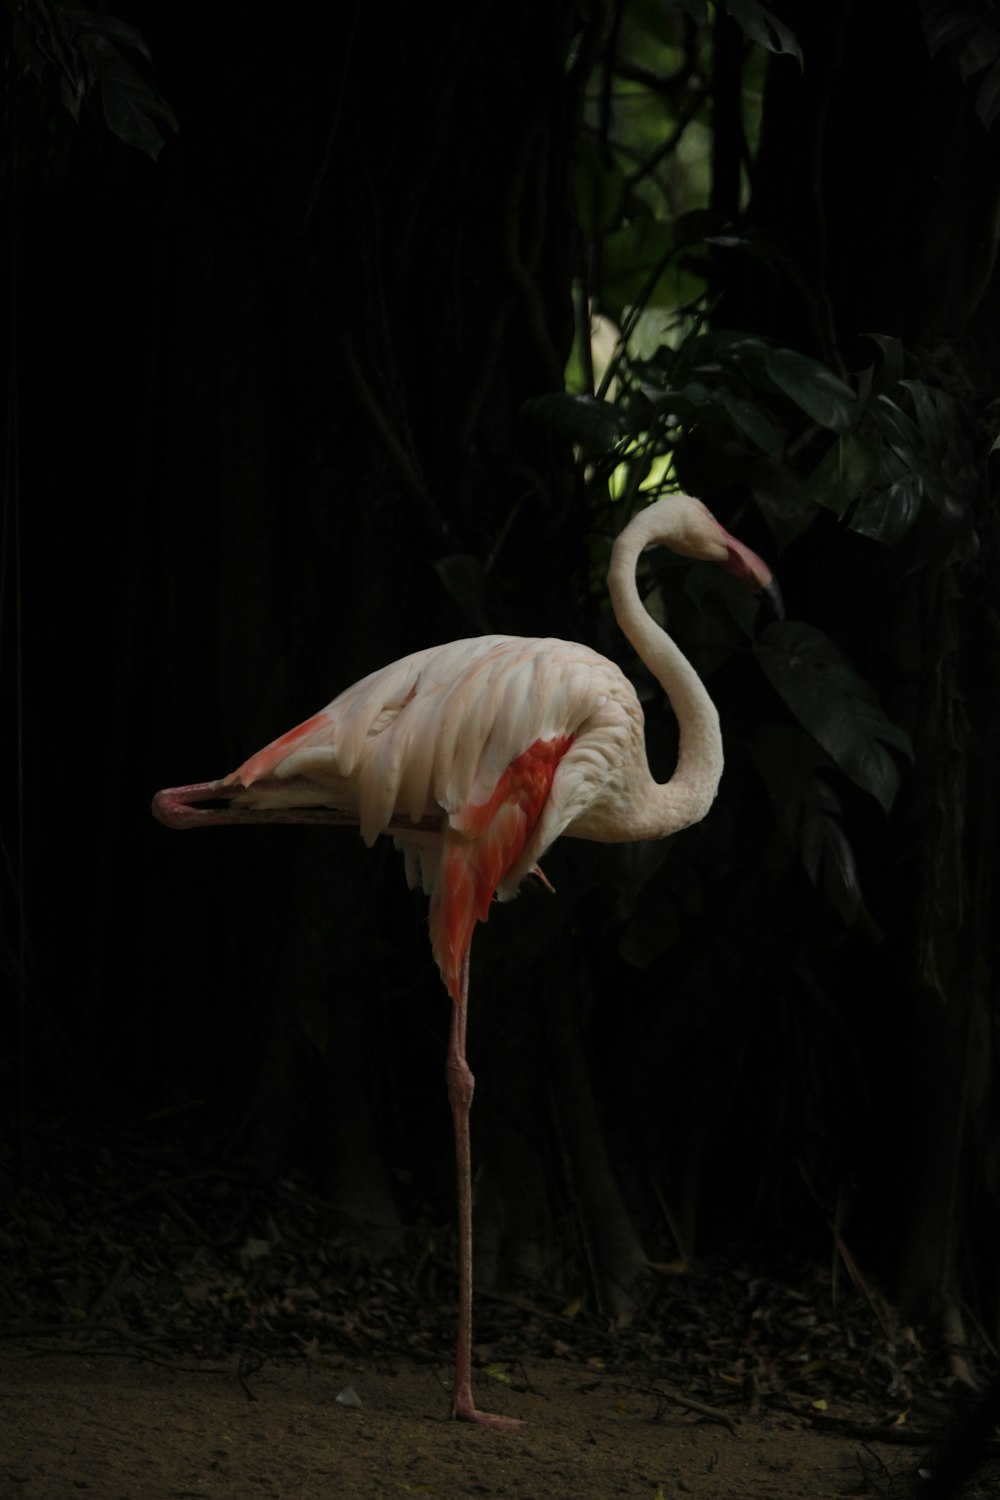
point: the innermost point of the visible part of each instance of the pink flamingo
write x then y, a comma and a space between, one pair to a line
475, 757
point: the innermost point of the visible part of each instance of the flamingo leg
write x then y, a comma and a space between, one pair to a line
461, 1084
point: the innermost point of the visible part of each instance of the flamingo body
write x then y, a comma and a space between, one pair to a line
475, 757
494, 746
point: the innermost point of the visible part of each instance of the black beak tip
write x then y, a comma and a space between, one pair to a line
774, 604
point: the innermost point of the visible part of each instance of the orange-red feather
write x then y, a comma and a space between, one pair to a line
481, 844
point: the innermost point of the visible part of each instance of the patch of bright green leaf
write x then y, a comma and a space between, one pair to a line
641, 470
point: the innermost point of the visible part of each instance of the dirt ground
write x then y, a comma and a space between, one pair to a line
176, 1329
107, 1427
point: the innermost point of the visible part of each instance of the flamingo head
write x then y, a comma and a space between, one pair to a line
691, 530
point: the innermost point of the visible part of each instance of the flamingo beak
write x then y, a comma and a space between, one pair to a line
190, 806
754, 572
208, 803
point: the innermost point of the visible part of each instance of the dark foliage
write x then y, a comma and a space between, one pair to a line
288, 402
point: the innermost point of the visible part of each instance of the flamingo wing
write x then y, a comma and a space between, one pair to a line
493, 746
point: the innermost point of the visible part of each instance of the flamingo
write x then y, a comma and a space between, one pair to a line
475, 757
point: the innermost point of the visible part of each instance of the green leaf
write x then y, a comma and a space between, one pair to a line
109, 27
599, 187
705, 583
847, 469
636, 465
837, 706
886, 515
763, 27
808, 812
752, 420
820, 394
130, 106
893, 354
899, 430
781, 496
978, 52
635, 257
595, 426
933, 414
677, 408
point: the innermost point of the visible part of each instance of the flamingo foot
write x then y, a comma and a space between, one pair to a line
464, 1409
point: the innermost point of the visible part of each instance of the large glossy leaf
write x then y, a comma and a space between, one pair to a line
820, 393
81, 20
979, 51
791, 766
722, 350
782, 499
933, 414
893, 363
888, 513
131, 107
83, 47
837, 706
899, 430
847, 469
752, 420
675, 407
595, 426
975, 29
763, 27
704, 584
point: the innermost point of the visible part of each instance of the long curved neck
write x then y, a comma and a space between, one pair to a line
689, 793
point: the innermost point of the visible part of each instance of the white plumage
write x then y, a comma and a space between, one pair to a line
475, 757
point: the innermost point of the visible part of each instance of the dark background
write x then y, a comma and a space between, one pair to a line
265, 431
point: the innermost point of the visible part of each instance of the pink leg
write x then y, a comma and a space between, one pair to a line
460, 1086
